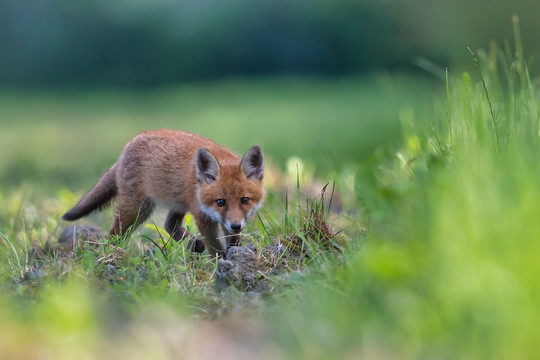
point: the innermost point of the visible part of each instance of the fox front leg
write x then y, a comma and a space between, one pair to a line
210, 236
232, 239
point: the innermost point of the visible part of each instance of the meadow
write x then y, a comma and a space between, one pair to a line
432, 248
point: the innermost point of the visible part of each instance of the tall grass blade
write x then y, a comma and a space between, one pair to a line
486, 92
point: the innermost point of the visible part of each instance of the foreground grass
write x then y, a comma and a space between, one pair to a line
447, 268
133, 297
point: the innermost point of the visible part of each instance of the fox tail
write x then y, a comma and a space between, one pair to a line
96, 199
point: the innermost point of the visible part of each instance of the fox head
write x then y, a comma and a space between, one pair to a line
230, 193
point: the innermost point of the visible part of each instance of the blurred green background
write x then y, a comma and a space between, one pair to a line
153, 43
323, 80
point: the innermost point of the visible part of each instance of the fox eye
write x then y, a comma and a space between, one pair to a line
245, 200
220, 202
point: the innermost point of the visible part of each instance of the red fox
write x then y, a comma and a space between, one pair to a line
186, 173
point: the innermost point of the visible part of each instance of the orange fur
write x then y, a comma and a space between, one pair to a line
186, 173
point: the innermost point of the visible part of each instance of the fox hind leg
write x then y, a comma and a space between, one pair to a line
130, 214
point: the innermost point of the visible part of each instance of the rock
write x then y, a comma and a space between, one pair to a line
247, 269
32, 275
241, 268
110, 274
75, 233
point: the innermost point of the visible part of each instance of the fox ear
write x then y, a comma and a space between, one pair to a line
207, 166
252, 165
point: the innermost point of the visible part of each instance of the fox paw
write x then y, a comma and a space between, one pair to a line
196, 245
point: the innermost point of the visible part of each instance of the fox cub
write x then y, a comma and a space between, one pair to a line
185, 172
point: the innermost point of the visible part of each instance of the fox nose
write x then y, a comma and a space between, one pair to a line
236, 226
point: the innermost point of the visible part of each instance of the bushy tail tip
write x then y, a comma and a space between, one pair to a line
97, 198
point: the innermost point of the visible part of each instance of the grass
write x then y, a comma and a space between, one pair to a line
448, 271
437, 258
